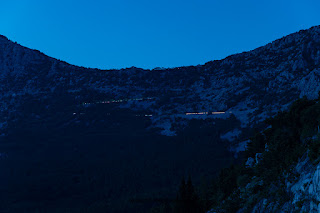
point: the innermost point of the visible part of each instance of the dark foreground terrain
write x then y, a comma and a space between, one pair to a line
101, 158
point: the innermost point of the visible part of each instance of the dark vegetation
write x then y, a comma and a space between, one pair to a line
64, 157
290, 135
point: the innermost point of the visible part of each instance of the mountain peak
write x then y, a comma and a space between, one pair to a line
3, 37
4, 40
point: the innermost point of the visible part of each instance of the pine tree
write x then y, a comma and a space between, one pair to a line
187, 201
180, 200
191, 197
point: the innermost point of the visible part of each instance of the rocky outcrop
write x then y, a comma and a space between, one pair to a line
304, 191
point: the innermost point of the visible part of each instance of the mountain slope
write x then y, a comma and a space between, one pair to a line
281, 170
251, 85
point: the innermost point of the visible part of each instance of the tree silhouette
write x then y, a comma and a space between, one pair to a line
187, 201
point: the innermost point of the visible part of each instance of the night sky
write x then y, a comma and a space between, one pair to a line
147, 33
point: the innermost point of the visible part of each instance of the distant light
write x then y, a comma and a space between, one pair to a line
197, 113
217, 113
204, 113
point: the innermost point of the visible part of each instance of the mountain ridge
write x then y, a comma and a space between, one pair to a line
168, 68
230, 84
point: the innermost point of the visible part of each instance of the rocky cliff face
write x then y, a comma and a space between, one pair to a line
250, 85
304, 191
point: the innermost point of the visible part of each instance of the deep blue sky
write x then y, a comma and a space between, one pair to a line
151, 33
